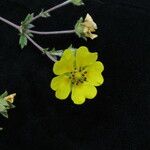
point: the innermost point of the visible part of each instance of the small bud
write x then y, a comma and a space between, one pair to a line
6, 103
10, 98
85, 28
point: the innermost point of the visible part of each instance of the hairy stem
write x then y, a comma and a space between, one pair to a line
9, 23
40, 48
30, 39
52, 32
53, 8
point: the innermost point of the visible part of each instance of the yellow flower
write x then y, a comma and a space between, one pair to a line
78, 73
86, 28
10, 98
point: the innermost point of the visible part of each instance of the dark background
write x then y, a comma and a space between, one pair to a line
118, 118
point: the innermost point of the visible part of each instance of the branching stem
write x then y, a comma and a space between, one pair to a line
51, 32
9, 23
40, 32
40, 48
53, 8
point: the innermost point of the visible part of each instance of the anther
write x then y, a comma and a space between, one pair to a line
77, 83
80, 69
85, 79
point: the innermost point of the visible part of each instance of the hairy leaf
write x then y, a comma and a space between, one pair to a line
23, 41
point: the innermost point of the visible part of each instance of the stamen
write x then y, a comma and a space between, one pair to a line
80, 69
78, 76
85, 79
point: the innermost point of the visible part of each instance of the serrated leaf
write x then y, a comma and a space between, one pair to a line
28, 18
2, 108
53, 49
4, 94
70, 46
23, 41
77, 2
30, 26
5, 114
79, 27
30, 34
11, 106
55, 52
3, 102
45, 50
26, 23
44, 14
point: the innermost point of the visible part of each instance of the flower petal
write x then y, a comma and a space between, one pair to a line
89, 19
79, 93
62, 86
90, 91
55, 82
94, 75
62, 66
93, 36
84, 57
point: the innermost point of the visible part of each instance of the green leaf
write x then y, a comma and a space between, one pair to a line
3, 102
4, 94
30, 26
26, 21
26, 24
77, 2
55, 52
44, 14
72, 48
5, 113
23, 41
11, 106
28, 18
79, 27
2, 108
45, 50
30, 34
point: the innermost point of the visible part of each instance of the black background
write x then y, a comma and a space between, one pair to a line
118, 118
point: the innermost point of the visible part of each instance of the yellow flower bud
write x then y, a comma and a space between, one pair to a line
89, 26
10, 98
85, 28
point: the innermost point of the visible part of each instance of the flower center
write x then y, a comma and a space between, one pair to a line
78, 76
